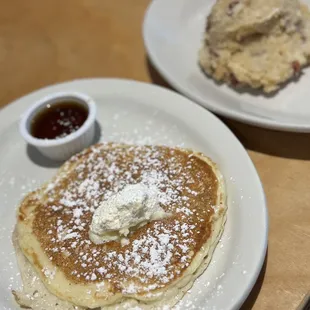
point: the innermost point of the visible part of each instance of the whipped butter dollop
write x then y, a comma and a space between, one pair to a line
134, 205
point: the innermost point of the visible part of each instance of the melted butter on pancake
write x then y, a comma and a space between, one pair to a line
157, 254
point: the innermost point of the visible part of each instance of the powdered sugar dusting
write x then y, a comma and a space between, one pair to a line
149, 131
161, 251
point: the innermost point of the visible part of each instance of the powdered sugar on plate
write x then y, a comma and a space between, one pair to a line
147, 132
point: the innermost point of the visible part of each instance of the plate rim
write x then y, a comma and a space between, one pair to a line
207, 103
8, 109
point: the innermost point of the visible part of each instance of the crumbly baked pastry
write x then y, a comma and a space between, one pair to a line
256, 43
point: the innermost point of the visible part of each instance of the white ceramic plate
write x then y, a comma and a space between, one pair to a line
173, 32
135, 112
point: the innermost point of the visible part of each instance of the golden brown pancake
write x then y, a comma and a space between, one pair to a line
160, 260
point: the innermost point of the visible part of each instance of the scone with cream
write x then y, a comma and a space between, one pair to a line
260, 43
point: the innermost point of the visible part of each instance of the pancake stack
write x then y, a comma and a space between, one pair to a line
160, 260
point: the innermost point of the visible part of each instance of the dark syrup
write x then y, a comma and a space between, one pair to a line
58, 120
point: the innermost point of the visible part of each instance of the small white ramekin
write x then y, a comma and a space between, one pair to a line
62, 148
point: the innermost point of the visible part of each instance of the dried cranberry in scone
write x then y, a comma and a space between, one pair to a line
296, 67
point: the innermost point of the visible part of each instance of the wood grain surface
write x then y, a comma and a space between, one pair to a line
46, 42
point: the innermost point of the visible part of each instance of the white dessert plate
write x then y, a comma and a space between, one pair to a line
140, 113
173, 32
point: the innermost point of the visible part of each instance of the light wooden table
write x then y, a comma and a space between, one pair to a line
50, 41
